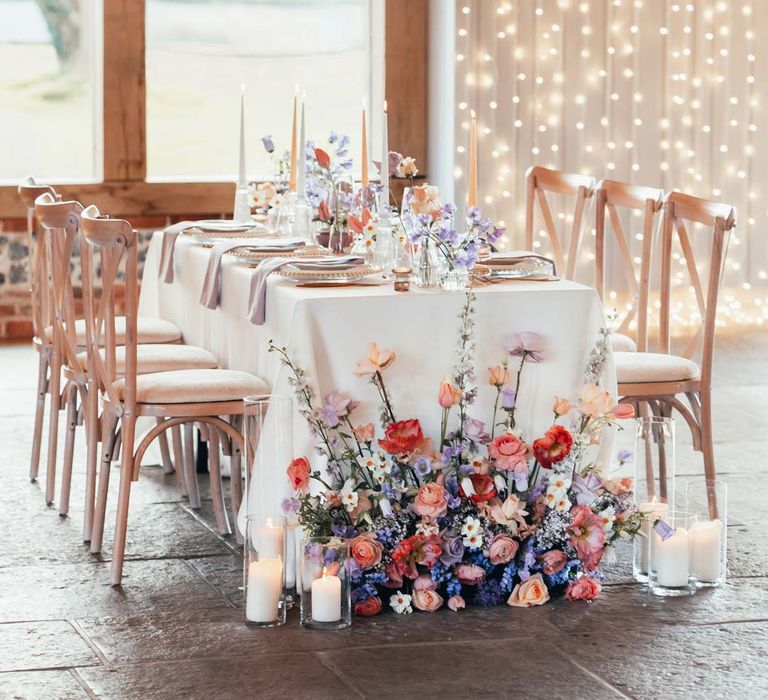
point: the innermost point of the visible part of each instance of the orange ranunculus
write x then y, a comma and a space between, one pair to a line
509, 451
298, 473
368, 607
366, 550
553, 447
430, 501
583, 588
376, 361
402, 437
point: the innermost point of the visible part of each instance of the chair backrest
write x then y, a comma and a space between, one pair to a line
60, 222
718, 219
611, 196
111, 241
29, 190
540, 181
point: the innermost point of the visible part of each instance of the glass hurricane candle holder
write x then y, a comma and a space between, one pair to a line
654, 482
670, 559
708, 500
264, 571
326, 594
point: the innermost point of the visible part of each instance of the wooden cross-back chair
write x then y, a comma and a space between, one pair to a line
611, 197
29, 190
659, 379
173, 398
539, 182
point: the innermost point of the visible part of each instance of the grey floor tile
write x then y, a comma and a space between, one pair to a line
34, 685
38, 645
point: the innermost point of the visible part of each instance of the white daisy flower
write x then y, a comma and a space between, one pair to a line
401, 603
349, 496
472, 531
608, 517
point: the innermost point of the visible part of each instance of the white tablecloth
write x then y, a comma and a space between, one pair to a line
326, 331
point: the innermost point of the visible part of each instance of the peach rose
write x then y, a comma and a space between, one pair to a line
366, 550
471, 574
449, 395
456, 603
364, 433
553, 560
368, 607
498, 376
510, 452
502, 550
583, 588
427, 600
594, 401
430, 501
562, 406
298, 473
528, 593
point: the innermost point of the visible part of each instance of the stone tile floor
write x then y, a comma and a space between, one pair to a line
174, 629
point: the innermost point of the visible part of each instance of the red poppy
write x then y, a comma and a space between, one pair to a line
553, 447
403, 437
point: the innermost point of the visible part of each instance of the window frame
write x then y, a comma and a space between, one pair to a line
125, 190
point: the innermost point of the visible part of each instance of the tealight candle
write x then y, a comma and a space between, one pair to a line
326, 598
671, 559
263, 591
705, 548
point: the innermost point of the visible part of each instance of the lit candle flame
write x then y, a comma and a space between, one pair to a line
385, 105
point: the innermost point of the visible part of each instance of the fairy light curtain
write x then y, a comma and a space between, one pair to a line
654, 92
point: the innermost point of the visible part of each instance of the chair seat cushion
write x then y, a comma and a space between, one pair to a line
639, 367
622, 343
160, 357
194, 386
150, 330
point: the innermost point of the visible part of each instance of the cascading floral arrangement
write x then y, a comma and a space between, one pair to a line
483, 517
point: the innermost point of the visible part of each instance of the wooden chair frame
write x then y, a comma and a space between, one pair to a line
539, 181
610, 196
663, 396
114, 241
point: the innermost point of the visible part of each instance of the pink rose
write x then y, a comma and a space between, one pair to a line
456, 603
583, 588
509, 451
366, 550
424, 582
553, 561
528, 593
430, 501
471, 574
502, 550
562, 406
394, 576
427, 600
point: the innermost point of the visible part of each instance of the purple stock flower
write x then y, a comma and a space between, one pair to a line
344, 531
453, 548
527, 345
508, 398
475, 430
269, 145
290, 505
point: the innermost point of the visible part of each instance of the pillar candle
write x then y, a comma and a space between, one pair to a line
269, 541
472, 173
292, 173
706, 548
301, 188
364, 153
671, 559
651, 512
384, 159
242, 179
263, 591
326, 598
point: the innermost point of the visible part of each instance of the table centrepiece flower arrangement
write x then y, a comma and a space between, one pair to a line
484, 518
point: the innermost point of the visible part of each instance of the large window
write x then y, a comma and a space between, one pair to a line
49, 96
199, 52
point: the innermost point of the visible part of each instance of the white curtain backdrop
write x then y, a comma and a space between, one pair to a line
655, 92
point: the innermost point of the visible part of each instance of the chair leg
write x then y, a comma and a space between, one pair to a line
42, 390
178, 458
53, 429
708, 450
164, 451
128, 430
236, 478
190, 471
69, 449
92, 436
107, 444
217, 491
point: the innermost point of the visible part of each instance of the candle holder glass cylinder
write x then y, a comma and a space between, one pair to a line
326, 594
264, 572
670, 556
286, 215
268, 437
654, 483
707, 499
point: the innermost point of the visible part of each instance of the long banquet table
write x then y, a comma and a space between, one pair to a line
326, 330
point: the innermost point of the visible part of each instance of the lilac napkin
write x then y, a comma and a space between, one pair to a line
170, 235
209, 295
257, 299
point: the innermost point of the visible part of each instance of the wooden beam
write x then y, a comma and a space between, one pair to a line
406, 56
125, 124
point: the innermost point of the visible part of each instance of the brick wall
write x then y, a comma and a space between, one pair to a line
15, 303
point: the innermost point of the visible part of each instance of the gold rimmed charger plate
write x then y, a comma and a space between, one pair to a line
255, 255
349, 275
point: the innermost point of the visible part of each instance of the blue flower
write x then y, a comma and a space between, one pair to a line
488, 593
269, 145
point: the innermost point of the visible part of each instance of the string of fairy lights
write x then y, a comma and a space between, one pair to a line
655, 92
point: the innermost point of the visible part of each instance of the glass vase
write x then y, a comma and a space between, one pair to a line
268, 437
670, 572
654, 483
428, 267
264, 571
454, 279
286, 215
326, 593
708, 501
